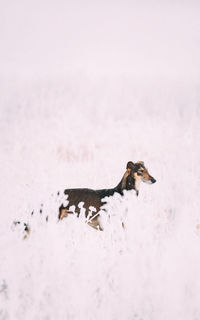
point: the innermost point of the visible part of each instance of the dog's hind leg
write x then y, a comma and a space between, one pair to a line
64, 213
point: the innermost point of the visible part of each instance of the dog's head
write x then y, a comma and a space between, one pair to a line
135, 173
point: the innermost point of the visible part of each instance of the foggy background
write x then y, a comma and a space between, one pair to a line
138, 38
84, 88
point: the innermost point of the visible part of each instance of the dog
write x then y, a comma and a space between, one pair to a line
134, 175
96, 199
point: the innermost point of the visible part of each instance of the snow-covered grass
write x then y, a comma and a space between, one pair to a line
59, 134
84, 88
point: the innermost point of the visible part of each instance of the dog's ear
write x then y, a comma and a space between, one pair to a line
141, 162
130, 165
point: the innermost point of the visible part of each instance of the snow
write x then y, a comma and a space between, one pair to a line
78, 101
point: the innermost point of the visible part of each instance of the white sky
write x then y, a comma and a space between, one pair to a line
98, 36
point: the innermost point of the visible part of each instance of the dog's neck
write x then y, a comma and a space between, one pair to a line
122, 185
119, 188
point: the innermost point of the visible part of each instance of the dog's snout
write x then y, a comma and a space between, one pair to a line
153, 180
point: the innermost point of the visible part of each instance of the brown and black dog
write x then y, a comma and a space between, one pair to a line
93, 200
135, 173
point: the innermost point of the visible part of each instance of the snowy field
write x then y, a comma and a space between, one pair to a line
83, 90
